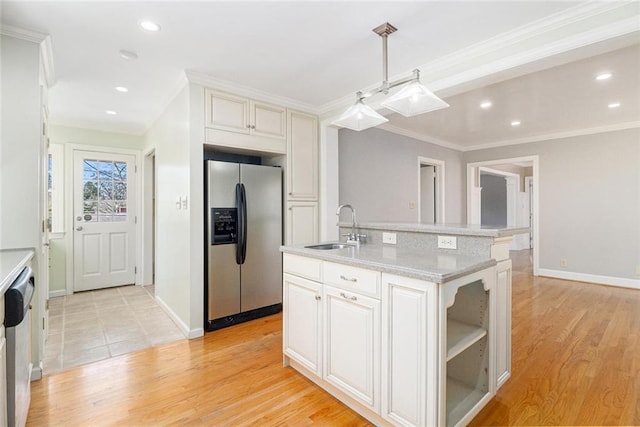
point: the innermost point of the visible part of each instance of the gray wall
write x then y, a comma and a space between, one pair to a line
379, 175
589, 200
493, 205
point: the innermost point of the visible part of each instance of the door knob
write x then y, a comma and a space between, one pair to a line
79, 228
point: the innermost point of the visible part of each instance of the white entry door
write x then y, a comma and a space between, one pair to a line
104, 220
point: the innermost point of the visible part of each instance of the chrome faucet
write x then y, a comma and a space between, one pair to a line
352, 237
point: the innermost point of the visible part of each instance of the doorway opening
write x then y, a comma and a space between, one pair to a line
430, 191
511, 182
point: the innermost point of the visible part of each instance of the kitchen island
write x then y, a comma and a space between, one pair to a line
408, 333
402, 337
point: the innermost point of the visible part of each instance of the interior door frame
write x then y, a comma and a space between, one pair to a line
473, 206
149, 211
68, 205
439, 170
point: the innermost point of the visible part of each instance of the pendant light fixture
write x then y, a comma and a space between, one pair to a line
411, 100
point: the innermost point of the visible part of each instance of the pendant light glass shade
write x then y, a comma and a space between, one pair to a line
359, 117
414, 99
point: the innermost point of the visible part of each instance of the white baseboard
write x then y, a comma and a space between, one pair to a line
591, 278
188, 333
57, 293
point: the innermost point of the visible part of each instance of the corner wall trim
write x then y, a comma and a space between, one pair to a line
188, 333
591, 278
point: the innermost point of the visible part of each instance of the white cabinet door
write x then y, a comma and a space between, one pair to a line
302, 157
302, 322
302, 223
352, 345
409, 351
226, 112
503, 322
268, 120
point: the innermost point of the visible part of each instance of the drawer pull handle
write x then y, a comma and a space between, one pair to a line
352, 279
353, 298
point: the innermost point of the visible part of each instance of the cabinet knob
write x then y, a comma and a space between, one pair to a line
248, 126
318, 297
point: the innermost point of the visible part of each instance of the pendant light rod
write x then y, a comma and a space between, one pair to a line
383, 31
386, 85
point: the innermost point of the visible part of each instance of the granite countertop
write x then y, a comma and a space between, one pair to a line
12, 261
433, 266
454, 229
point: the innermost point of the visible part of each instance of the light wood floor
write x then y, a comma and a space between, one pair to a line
576, 361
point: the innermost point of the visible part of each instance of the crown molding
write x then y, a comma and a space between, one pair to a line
46, 48
209, 81
46, 55
555, 135
604, 20
22, 34
420, 137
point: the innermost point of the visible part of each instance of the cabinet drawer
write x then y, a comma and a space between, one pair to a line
366, 282
310, 268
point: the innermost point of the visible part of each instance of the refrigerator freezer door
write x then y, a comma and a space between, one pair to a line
223, 178
262, 269
223, 270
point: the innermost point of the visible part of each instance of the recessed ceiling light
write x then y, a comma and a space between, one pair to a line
127, 54
149, 26
515, 123
603, 76
614, 105
111, 112
486, 104
121, 89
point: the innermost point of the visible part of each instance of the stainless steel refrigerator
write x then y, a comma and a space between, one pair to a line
244, 234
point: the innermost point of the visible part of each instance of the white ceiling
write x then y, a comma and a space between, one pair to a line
313, 54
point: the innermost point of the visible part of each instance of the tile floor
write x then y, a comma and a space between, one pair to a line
89, 326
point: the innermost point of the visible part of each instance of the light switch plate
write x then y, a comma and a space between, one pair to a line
447, 242
389, 238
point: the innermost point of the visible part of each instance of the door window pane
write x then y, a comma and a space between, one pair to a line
119, 171
90, 169
106, 170
90, 191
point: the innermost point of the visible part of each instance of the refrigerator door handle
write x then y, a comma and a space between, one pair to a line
243, 214
241, 224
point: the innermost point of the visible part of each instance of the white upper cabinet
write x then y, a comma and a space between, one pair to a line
302, 157
268, 120
243, 115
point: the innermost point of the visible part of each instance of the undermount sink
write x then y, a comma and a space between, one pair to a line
328, 246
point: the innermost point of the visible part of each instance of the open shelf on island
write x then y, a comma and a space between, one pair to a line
461, 336
461, 398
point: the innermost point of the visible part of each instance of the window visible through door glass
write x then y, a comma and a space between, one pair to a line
104, 191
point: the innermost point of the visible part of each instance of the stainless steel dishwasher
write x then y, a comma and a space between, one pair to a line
17, 303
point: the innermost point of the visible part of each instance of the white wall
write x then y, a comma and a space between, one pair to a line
70, 135
589, 203
170, 137
196, 212
21, 145
379, 175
